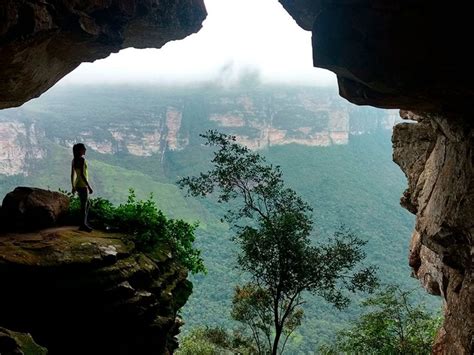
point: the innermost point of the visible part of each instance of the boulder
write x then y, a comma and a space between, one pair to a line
28, 208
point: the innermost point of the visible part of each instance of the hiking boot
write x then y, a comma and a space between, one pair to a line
85, 229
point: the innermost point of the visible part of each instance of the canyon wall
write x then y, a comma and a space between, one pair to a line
437, 158
19, 145
258, 118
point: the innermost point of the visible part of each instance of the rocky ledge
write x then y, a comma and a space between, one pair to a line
90, 293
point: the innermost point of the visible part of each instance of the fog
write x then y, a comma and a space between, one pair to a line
238, 38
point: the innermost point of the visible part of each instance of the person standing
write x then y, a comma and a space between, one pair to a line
80, 182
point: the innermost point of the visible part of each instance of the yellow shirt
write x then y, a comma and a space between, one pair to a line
79, 182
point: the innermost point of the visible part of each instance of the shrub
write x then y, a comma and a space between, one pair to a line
146, 226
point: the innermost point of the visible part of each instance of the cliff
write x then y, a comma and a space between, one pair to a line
432, 153
81, 293
393, 54
14, 343
144, 124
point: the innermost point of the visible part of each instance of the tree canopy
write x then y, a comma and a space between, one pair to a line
391, 324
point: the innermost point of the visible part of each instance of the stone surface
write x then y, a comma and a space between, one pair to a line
90, 293
437, 156
14, 343
28, 208
43, 40
393, 54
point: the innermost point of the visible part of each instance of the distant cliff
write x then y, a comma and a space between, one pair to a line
143, 123
19, 144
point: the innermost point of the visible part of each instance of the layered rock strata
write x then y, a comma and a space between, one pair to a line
43, 40
437, 156
80, 293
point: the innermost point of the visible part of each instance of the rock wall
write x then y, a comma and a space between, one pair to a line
80, 293
437, 156
155, 125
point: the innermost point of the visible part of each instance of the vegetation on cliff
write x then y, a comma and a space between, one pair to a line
146, 226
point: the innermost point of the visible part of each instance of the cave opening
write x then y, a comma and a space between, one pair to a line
140, 112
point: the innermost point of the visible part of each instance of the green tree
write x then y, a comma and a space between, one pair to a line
392, 324
273, 226
211, 341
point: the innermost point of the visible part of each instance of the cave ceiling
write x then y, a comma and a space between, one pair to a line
392, 54
43, 40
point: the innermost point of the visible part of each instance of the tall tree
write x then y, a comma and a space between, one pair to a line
273, 226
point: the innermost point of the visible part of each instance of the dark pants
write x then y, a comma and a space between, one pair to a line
84, 198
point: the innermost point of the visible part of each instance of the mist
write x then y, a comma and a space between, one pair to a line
254, 39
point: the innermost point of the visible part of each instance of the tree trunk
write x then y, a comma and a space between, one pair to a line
278, 331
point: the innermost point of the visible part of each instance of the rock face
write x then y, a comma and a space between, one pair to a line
437, 156
43, 40
28, 208
80, 293
14, 343
20, 144
393, 54
145, 124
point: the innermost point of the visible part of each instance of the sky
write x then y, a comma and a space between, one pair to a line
239, 36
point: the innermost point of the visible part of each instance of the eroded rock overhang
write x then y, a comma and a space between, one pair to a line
406, 54
42, 41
